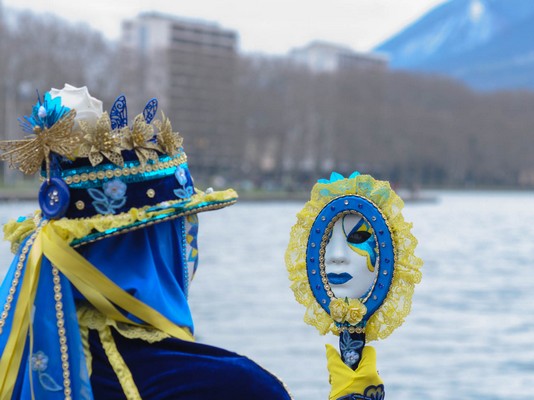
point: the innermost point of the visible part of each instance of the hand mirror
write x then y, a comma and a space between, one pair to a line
351, 259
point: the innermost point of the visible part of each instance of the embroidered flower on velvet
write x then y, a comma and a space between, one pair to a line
111, 199
39, 361
115, 189
350, 348
351, 358
181, 176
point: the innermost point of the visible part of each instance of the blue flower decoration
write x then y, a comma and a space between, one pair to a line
115, 189
111, 199
181, 177
45, 113
39, 361
350, 348
39, 364
184, 193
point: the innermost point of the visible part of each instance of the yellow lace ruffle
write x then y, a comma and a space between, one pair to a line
91, 318
118, 364
72, 229
15, 231
407, 273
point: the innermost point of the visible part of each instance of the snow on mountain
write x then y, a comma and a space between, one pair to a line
463, 38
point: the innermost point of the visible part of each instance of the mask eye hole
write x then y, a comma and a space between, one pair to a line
358, 237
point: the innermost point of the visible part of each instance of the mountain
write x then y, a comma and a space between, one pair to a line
486, 43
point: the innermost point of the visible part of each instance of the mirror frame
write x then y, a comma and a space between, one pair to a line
318, 240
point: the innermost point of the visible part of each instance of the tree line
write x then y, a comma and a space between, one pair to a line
293, 125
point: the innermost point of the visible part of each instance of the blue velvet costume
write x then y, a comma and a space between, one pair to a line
146, 263
170, 369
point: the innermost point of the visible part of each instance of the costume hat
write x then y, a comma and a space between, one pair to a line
103, 177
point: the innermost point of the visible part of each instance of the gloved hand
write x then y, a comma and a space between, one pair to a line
365, 381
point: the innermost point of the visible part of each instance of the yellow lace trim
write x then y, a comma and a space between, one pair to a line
119, 366
89, 317
407, 272
15, 232
84, 333
72, 229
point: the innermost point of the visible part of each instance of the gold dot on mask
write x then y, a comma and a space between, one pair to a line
80, 205
151, 193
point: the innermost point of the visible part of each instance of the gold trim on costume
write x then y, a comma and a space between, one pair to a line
118, 172
63, 346
118, 364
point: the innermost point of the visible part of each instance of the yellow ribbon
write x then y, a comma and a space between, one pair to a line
102, 292
344, 380
98, 289
12, 355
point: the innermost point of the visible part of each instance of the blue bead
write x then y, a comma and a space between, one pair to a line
54, 198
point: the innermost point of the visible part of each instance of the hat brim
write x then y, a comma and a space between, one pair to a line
80, 231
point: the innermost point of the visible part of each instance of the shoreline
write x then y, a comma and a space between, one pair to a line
28, 194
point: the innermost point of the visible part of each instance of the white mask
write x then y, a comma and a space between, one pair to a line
350, 257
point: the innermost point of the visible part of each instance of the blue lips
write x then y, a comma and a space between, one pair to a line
338, 279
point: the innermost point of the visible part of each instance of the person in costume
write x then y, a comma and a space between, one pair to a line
94, 305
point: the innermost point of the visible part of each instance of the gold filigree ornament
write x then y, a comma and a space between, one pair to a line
100, 141
138, 139
27, 155
168, 140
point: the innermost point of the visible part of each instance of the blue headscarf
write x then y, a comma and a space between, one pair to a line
151, 264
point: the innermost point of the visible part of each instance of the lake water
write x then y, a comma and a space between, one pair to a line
471, 331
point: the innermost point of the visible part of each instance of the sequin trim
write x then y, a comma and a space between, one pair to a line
185, 275
63, 346
132, 171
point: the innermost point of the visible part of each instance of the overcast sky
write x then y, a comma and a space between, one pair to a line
267, 26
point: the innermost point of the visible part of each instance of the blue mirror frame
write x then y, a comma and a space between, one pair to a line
319, 237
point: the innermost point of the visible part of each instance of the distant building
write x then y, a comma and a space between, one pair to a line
328, 57
190, 65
